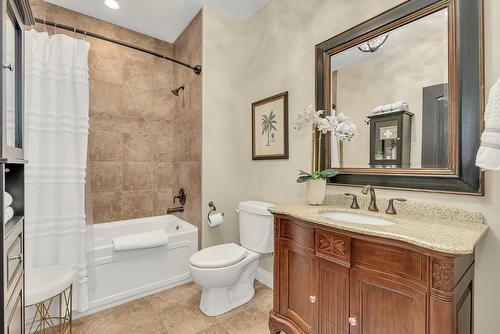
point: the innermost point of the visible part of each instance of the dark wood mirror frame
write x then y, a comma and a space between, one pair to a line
466, 80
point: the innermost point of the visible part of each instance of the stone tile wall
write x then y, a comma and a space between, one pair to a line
144, 143
187, 122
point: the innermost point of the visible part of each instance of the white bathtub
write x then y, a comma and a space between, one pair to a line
118, 277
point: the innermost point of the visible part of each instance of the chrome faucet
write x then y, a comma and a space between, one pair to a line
373, 197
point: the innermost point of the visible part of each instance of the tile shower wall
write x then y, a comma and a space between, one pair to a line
187, 121
133, 121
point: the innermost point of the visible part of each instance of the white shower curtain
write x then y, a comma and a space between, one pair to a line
57, 117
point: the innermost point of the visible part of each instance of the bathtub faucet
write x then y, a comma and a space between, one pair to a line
176, 209
181, 196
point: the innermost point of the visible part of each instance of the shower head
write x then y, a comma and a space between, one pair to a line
177, 90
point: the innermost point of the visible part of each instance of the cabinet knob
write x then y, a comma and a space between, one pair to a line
353, 321
312, 299
8, 67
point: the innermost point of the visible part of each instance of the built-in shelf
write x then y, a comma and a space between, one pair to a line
5, 160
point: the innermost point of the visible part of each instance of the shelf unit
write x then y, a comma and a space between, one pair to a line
16, 17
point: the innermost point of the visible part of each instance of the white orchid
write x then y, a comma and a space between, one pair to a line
347, 131
324, 125
306, 116
341, 117
338, 124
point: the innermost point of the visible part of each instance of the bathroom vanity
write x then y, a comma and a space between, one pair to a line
412, 276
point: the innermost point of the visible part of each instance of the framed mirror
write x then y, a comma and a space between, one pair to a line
411, 81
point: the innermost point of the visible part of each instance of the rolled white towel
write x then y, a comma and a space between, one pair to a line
399, 105
7, 199
378, 109
8, 214
140, 240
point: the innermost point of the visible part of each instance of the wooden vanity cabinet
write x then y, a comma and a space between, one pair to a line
329, 281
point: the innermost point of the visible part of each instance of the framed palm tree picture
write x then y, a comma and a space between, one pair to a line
270, 128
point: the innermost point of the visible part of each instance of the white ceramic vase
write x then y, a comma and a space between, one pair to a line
316, 190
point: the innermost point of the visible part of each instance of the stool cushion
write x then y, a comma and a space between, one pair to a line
46, 282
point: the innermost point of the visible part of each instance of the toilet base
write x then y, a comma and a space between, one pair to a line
219, 300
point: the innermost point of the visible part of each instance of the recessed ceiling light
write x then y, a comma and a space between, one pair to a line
112, 4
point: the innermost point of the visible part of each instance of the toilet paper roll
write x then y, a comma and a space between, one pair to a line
215, 219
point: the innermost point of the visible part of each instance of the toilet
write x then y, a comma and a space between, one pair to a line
226, 272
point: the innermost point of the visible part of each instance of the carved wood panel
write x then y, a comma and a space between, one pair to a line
442, 275
333, 247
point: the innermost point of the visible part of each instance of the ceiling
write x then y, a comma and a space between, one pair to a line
163, 19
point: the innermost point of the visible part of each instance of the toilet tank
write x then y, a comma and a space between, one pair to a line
256, 226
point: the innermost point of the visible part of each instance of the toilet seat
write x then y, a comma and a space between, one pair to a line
218, 256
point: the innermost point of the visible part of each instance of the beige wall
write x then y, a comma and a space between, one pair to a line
224, 126
138, 157
273, 52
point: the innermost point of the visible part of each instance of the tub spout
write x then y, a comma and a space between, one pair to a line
176, 209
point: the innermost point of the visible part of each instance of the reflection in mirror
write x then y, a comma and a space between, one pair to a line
394, 87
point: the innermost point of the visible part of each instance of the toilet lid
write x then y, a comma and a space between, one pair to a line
218, 256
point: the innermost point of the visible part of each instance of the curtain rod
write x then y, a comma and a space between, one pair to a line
196, 68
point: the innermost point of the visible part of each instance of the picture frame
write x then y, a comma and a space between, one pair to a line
270, 128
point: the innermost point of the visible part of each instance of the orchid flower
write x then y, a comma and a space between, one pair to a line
338, 123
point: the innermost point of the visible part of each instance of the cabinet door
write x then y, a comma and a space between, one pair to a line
12, 78
333, 298
380, 306
298, 286
14, 312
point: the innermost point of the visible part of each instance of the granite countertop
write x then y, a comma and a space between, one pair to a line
442, 229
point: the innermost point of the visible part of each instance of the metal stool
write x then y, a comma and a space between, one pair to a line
49, 296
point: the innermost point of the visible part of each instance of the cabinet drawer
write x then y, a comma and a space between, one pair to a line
390, 260
333, 247
299, 233
14, 312
14, 257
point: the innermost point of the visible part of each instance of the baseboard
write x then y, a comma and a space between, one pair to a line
264, 277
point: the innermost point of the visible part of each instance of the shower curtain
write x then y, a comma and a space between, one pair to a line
57, 117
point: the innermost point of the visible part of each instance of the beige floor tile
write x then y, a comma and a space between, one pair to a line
214, 329
176, 311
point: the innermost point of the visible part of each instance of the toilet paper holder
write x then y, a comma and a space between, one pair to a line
213, 209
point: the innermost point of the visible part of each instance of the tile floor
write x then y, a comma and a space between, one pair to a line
176, 311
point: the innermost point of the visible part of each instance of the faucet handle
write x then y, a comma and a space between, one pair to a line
181, 196
354, 204
390, 208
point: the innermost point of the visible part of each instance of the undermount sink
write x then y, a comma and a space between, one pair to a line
356, 218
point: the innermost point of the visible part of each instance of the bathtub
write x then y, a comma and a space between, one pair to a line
119, 277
